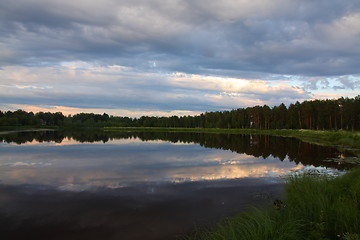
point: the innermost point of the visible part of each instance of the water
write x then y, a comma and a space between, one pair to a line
112, 185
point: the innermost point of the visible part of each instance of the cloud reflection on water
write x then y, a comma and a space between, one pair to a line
71, 165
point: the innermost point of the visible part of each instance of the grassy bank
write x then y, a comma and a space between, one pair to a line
346, 139
315, 207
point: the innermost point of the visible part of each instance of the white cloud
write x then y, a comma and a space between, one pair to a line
235, 86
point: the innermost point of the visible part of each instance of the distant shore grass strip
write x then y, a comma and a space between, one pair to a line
337, 138
315, 207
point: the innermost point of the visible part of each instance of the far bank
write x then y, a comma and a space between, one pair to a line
340, 139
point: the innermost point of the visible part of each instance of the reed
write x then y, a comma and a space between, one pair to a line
315, 207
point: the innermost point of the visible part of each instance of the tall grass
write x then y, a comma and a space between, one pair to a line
259, 224
315, 207
328, 208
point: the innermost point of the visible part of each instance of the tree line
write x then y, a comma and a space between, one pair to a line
342, 113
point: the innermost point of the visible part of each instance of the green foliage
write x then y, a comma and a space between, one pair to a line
342, 113
329, 206
259, 224
317, 207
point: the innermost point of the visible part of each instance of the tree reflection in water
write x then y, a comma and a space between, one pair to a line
255, 145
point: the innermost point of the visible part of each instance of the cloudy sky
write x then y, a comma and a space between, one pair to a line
166, 57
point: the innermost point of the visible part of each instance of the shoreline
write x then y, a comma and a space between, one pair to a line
340, 139
335, 138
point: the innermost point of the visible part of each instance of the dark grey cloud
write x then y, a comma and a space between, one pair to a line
228, 37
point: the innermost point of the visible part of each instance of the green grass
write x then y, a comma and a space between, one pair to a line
315, 207
340, 138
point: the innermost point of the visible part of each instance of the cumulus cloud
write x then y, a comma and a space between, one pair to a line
128, 54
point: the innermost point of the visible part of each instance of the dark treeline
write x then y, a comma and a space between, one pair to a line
342, 113
254, 145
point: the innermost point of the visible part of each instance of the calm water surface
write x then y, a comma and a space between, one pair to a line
113, 185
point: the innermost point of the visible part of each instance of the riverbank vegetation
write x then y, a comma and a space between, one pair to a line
342, 113
340, 139
315, 207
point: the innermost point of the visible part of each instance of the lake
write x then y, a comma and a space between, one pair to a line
142, 185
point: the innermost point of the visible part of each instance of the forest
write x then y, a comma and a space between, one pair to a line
330, 114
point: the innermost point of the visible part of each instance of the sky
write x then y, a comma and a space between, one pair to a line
175, 57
